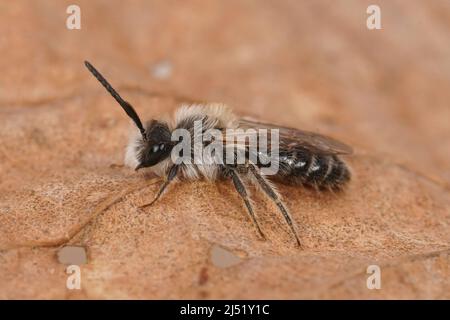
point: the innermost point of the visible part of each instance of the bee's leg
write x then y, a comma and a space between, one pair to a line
170, 176
240, 188
272, 194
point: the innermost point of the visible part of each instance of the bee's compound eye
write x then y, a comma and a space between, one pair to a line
162, 146
155, 148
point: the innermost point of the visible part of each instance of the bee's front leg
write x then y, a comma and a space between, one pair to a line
169, 178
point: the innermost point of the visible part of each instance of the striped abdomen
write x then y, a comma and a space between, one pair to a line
315, 170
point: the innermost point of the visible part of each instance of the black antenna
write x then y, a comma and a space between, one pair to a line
125, 105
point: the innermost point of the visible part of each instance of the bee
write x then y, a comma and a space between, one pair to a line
304, 158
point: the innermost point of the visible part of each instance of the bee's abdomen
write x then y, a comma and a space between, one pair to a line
315, 170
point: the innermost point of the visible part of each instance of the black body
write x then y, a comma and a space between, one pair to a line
320, 171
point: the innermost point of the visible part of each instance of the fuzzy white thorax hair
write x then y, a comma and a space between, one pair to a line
217, 116
215, 112
134, 141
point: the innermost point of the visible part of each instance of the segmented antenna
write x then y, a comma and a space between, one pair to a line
124, 104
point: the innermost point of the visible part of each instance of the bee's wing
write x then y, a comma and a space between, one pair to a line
291, 139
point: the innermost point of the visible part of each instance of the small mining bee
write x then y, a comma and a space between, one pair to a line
304, 158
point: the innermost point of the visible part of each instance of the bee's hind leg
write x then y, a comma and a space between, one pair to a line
272, 194
240, 188
170, 176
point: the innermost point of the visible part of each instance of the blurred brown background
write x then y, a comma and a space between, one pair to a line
307, 64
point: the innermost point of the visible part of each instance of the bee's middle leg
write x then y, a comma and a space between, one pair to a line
274, 196
240, 188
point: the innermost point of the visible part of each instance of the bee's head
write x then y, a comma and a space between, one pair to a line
155, 147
